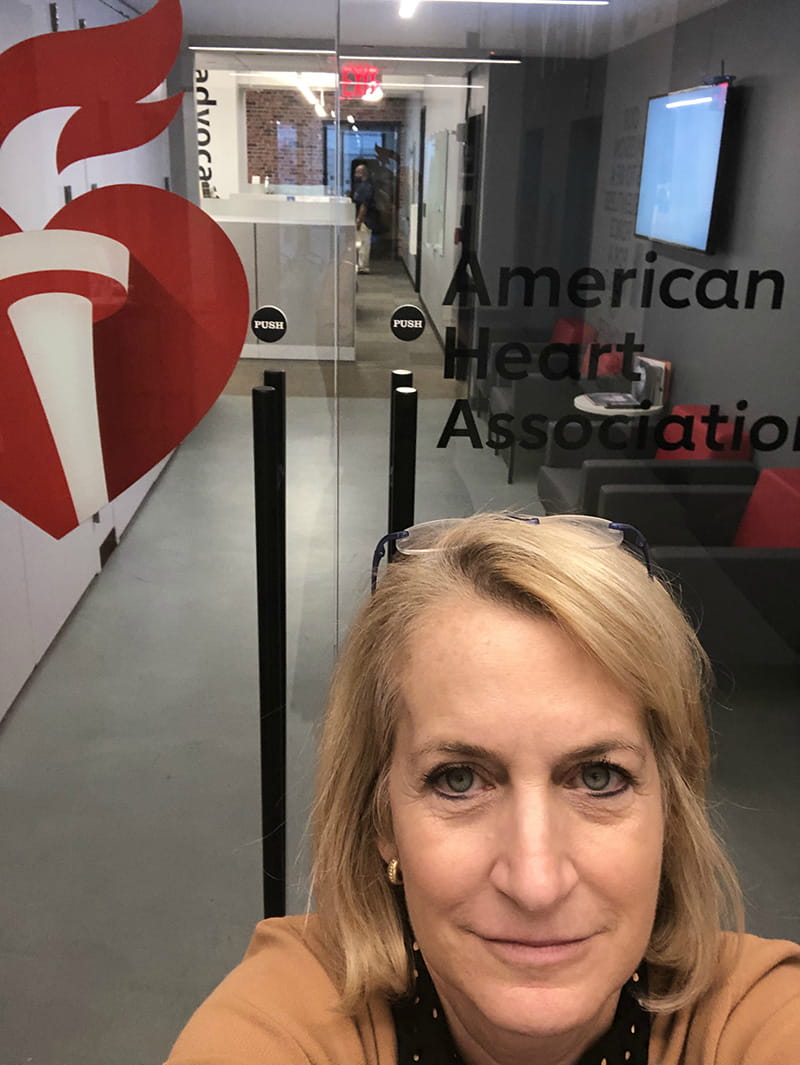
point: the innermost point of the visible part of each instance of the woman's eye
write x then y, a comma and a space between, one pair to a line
596, 777
603, 779
459, 779
453, 781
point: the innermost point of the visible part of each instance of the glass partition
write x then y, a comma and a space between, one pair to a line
164, 197
572, 363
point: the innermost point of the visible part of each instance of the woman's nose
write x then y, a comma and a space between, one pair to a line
533, 854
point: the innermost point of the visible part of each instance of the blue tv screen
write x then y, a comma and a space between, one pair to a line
682, 143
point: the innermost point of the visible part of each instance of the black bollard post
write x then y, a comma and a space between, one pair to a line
269, 450
277, 379
401, 379
402, 460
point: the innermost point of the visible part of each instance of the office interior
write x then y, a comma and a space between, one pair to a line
505, 143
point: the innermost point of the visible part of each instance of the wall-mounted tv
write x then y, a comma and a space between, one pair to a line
682, 142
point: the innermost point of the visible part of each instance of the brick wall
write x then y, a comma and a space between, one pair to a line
285, 137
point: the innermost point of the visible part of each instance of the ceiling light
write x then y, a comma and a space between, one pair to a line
373, 95
350, 119
408, 7
462, 85
261, 51
548, 3
277, 78
433, 58
304, 90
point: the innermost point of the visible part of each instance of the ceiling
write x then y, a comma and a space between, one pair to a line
374, 26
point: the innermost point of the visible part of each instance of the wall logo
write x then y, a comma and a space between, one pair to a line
269, 324
123, 317
204, 103
407, 322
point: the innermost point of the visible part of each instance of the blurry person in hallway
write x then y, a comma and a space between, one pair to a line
366, 215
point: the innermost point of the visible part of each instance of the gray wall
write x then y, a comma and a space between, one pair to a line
722, 355
537, 196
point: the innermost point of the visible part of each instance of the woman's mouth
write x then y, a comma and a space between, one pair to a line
547, 951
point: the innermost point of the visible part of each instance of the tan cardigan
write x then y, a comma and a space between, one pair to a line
278, 1007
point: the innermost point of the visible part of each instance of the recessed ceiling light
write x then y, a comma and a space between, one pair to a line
431, 58
408, 7
261, 51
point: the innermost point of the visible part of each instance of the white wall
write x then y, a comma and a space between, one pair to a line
444, 111
219, 107
409, 174
42, 579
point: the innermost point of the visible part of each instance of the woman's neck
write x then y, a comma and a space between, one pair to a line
480, 1043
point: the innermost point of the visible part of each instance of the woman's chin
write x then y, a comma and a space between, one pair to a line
544, 1012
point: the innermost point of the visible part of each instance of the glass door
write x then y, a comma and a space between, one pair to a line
164, 201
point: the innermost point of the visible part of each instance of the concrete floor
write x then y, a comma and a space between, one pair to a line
129, 764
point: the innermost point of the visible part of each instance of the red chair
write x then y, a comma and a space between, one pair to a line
609, 364
746, 594
702, 452
572, 331
772, 516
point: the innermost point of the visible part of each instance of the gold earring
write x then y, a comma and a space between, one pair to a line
393, 873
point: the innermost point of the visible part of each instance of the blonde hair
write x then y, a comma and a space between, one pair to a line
604, 600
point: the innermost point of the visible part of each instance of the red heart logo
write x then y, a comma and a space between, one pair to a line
160, 360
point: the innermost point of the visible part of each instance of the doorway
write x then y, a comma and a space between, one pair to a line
377, 145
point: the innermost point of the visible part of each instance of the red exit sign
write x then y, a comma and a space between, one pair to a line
357, 79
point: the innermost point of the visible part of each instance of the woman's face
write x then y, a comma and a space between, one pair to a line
527, 818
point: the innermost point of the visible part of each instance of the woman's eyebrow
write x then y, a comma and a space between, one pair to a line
463, 750
604, 747
585, 753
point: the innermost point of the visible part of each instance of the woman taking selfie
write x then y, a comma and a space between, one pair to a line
513, 859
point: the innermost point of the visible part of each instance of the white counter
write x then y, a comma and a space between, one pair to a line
288, 210
289, 247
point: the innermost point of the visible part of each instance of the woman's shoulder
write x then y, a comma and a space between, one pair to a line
751, 1016
281, 1004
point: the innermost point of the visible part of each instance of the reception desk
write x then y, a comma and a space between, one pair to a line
291, 248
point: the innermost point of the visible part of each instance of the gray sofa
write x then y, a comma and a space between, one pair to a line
653, 493
743, 601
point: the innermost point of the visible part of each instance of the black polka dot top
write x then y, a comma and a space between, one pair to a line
423, 1035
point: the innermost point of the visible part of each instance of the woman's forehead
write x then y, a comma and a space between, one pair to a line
482, 673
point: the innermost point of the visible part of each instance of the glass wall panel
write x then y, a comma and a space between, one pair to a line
604, 261
162, 180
